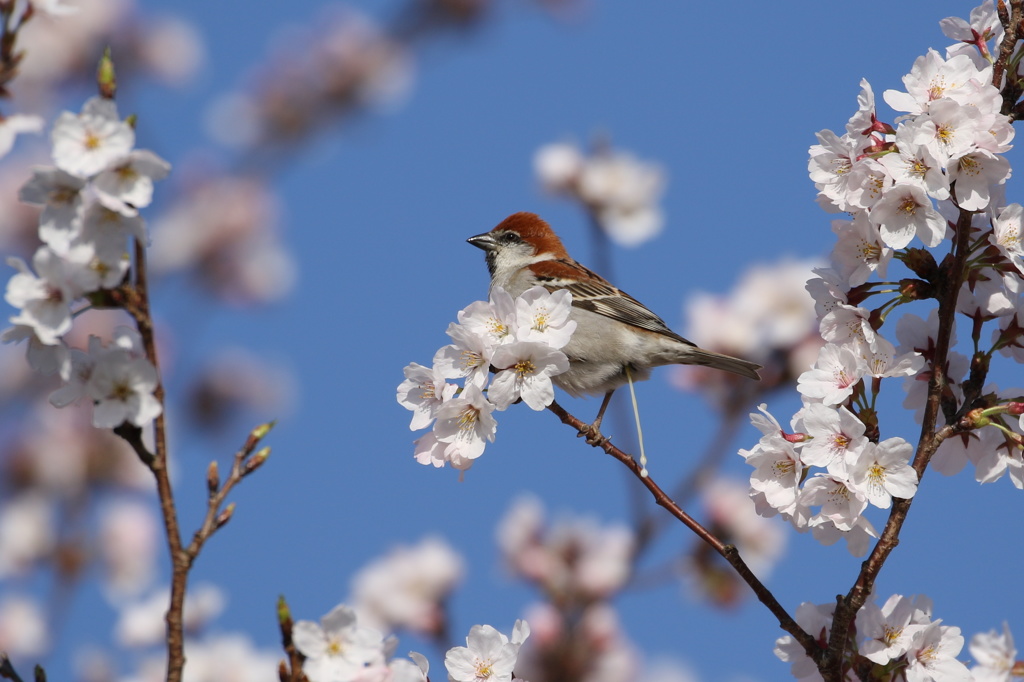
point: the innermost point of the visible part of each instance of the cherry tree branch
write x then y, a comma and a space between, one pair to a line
7, 670
727, 552
134, 298
948, 284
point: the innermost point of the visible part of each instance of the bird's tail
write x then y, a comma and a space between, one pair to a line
707, 358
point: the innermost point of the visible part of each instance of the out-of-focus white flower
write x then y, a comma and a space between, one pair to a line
558, 166
761, 541
23, 630
142, 623
128, 535
55, 8
574, 559
408, 587
224, 229
12, 126
620, 191
172, 49
236, 379
995, 655
768, 318
219, 658
27, 533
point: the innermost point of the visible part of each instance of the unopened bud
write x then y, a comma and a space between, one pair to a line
284, 614
225, 515
921, 262
797, 437
106, 79
262, 430
256, 460
1015, 408
212, 477
916, 290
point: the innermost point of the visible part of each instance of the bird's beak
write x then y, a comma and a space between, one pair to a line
483, 241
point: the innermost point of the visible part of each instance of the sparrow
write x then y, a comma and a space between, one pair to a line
615, 334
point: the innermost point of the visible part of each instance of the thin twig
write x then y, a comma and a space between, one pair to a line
728, 552
241, 467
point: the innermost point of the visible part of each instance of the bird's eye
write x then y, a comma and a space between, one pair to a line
510, 238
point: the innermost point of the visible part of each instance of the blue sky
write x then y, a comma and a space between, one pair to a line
377, 212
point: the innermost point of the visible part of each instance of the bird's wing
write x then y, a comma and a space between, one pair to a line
592, 292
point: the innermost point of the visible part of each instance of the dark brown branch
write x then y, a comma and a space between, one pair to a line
137, 305
7, 670
948, 285
727, 552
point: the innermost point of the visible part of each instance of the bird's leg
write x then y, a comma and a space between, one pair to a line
593, 430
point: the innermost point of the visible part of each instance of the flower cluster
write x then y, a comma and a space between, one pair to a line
408, 588
857, 472
767, 318
340, 649
944, 159
90, 214
574, 561
899, 636
520, 339
620, 191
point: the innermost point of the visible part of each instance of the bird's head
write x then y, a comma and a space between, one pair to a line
517, 241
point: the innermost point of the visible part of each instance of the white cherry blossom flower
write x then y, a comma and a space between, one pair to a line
494, 319
882, 471
859, 250
834, 375
841, 504
905, 211
86, 143
932, 655
423, 391
835, 434
543, 316
526, 369
468, 358
488, 656
121, 386
1006, 235
974, 174
127, 184
888, 629
338, 648
933, 78
467, 422
60, 194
